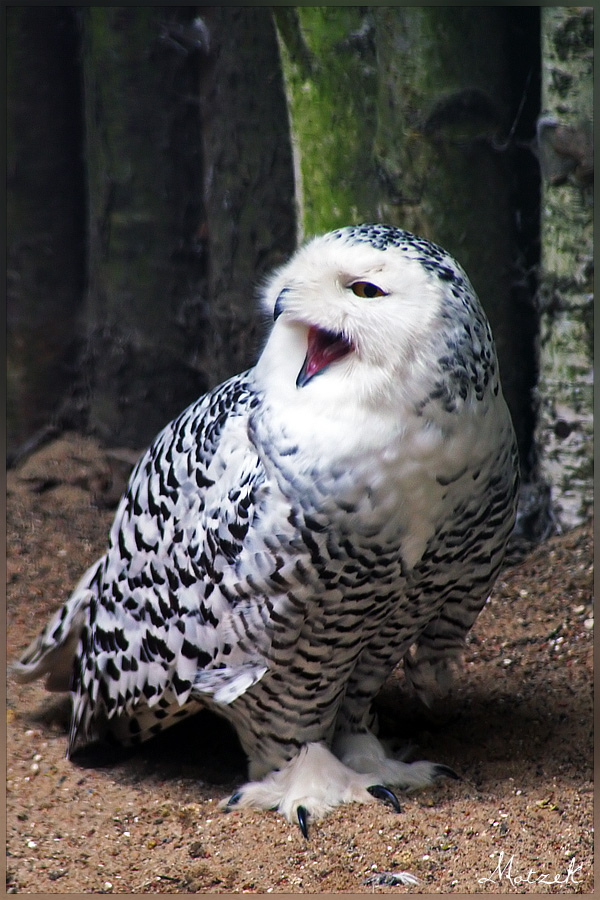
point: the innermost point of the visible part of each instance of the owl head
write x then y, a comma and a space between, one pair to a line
376, 313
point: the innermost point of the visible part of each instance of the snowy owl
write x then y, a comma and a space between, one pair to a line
303, 528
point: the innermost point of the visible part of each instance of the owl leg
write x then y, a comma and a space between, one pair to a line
431, 666
364, 753
355, 744
309, 786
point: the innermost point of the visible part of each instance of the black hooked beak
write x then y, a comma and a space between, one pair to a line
279, 304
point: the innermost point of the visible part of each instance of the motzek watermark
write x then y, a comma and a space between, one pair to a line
509, 871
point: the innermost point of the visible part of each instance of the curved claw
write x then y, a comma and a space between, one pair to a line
380, 792
235, 798
446, 772
303, 821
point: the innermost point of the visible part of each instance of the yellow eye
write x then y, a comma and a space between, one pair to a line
366, 289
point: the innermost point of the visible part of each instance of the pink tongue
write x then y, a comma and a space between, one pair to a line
323, 349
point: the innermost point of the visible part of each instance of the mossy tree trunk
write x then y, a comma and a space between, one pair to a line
46, 215
458, 88
330, 68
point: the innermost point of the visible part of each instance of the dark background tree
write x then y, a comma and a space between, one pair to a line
152, 183
249, 191
146, 263
46, 213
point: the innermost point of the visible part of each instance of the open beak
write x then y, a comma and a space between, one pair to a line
323, 349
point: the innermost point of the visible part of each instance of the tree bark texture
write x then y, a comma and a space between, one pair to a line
330, 69
45, 214
420, 116
146, 306
565, 147
453, 172
248, 178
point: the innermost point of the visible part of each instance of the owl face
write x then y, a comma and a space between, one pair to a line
353, 316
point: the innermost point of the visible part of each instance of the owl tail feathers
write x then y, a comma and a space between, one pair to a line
52, 652
81, 723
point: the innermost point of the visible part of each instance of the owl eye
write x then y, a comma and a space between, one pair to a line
366, 289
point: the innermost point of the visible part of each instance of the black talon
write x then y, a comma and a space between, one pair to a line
235, 798
303, 821
382, 793
446, 772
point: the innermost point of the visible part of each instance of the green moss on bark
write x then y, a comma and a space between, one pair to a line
330, 70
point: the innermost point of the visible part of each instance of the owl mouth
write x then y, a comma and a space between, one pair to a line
324, 348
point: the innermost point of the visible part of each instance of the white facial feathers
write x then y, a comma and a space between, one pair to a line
384, 303
315, 288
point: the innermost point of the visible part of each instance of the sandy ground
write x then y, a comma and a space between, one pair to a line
518, 730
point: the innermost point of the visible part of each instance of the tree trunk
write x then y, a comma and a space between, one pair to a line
249, 178
145, 313
331, 77
565, 145
191, 200
45, 215
449, 116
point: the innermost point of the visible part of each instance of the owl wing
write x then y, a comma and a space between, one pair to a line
173, 611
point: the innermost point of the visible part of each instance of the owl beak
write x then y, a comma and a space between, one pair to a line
323, 349
279, 304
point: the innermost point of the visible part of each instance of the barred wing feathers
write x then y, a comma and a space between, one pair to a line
155, 619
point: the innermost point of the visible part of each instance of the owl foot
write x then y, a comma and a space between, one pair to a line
309, 786
380, 792
376, 790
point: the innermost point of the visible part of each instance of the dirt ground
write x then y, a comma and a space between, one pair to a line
518, 730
